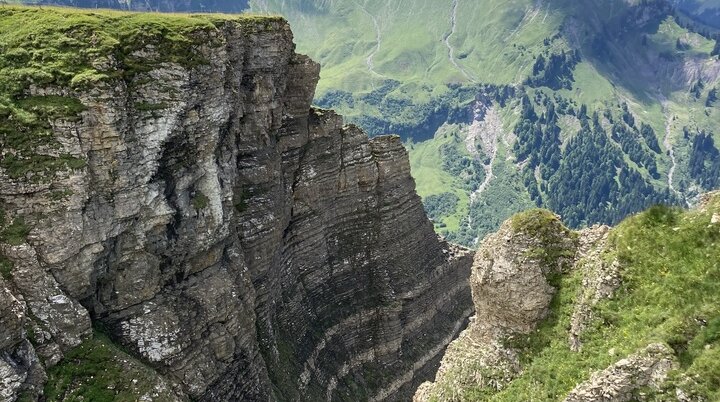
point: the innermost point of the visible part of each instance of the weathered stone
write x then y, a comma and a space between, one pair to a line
510, 275
512, 295
619, 382
600, 280
244, 245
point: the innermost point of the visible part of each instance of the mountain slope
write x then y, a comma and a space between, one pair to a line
704, 11
638, 87
410, 67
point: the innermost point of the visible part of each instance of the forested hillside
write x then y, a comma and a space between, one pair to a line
703, 11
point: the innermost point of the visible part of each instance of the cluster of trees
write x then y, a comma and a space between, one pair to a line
711, 98
595, 184
538, 144
704, 162
463, 166
697, 89
650, 137
555, 72
589, 181
335, 98
399, 113
629, 140
440, 205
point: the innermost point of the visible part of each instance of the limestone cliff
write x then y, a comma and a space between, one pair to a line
191, 205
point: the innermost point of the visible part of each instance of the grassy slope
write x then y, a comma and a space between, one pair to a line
671, 277
425, 159
341, 35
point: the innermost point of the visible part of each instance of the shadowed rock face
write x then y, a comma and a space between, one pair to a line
244, 245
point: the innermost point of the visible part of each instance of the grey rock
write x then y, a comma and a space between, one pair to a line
600, 280
512, 295
244, 245
619, 382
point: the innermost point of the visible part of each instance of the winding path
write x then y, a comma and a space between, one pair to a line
446, 40
488, 131
378, 41
668, 144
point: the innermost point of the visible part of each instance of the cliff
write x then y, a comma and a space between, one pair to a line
175, 213
605, 314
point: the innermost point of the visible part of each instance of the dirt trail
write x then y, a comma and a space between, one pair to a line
446, 40
378, 42
487, 132
668, 144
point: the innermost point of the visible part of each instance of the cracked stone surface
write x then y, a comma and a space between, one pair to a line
235, 239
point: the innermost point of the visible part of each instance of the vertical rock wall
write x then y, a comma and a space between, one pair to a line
244, 245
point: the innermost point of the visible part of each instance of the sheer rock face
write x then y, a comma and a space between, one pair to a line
245, 246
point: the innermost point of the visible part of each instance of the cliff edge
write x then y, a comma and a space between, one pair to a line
175, 213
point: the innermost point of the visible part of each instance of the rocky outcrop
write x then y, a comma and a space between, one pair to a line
622, 381
537, 285
600, 280
244, 245
512, 289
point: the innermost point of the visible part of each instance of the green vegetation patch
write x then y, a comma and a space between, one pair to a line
426, 161
441, 205
6, 267
99, 371
670, 262
671, 279
150, 107
16, 233
74, 49
535, 222
200, 200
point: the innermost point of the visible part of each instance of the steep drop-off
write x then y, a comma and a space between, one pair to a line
605, 314
165, 182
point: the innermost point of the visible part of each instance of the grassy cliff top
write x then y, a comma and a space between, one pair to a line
83, 49
66, 16
70, 46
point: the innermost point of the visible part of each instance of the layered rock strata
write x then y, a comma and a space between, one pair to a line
621, 381
244, 245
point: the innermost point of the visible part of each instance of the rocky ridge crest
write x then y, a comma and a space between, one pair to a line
515, 277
